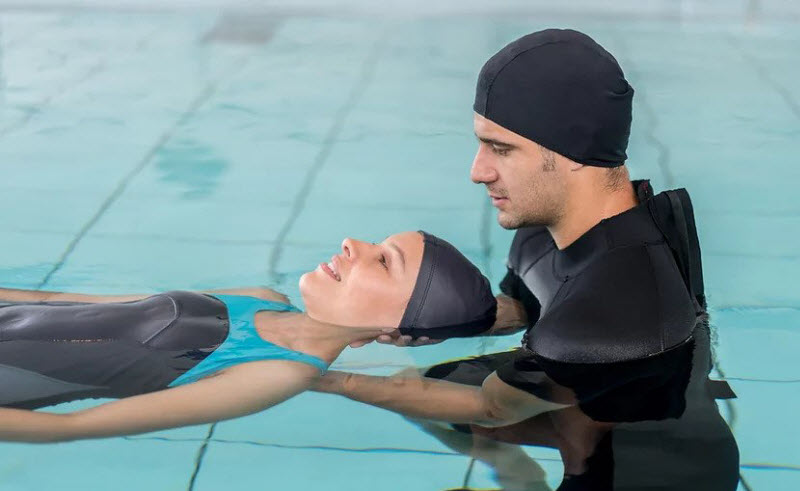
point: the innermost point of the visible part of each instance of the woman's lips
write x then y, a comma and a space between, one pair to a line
329, 271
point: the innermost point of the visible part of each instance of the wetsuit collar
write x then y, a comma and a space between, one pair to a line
631, 227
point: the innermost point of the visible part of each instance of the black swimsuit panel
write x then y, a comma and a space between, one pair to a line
53, 352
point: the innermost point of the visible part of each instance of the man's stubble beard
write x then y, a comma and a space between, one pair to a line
511, 221
542, 210
546, 189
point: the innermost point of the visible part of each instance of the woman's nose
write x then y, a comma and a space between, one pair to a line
350, 248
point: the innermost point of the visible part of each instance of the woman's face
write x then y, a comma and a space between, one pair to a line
366, 285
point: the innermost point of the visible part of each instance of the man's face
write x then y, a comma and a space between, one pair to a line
525, 181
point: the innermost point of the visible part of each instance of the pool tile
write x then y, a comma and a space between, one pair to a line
771, 479
758, 343
63, 212
732, 281
740, 234
92, 464
28, 257
243, 467
204, 220
151, 264
764, 424
331, 224
434, 190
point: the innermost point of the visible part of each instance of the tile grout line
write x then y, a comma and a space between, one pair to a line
196, 103
98, 67
745, 465
201, 453
367, 71
93, 70
468, 473
208, 438
297, 447
761, 70
662, 150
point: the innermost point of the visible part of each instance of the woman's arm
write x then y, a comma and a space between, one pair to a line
11, 295
240, 390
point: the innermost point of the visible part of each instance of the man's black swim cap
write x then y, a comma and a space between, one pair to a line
563, 91
451, 298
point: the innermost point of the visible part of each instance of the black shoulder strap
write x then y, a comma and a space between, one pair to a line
684, 216
674, 215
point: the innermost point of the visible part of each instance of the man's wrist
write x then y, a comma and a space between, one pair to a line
333, 382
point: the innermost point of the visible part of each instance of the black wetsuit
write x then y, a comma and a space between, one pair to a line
53, 352
618, 318
614, 315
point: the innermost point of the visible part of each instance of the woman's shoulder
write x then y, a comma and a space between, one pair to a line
265, 293
260, 292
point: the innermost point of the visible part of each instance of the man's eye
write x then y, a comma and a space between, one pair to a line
501, 151
383, 261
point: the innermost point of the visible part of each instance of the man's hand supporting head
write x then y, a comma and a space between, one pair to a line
511, 318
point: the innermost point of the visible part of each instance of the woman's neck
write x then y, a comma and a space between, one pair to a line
299, 332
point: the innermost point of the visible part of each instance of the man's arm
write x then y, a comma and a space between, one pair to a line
493, 404
511, 317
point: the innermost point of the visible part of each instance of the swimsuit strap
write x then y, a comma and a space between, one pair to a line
243, 343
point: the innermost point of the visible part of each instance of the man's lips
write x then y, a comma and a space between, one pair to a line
498, 200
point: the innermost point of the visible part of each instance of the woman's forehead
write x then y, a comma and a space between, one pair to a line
405, 240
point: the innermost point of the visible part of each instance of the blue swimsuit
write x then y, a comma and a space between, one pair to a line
243, 343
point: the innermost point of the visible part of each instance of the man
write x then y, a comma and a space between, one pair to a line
611, 296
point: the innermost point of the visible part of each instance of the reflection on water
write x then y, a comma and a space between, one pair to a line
190, 166
667, 435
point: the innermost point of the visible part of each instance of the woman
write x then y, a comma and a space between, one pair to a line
185, 358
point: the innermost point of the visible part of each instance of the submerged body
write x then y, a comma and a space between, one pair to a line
54, 352
184, 358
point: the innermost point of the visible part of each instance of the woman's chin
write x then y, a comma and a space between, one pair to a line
308, 279
305, 285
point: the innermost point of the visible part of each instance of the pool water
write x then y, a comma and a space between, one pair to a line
143, 150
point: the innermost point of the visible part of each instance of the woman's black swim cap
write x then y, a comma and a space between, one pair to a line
563, 91
451, 298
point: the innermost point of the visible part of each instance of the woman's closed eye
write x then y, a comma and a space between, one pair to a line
383, 261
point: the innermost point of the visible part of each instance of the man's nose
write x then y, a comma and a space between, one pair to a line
482, 171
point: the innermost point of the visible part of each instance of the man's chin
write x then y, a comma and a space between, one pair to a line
507, 221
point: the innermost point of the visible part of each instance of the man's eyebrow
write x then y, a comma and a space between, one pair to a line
492, 141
